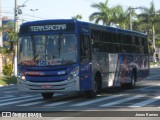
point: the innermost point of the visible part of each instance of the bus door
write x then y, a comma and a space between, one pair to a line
85, 59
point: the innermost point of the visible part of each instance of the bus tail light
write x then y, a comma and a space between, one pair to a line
74, 73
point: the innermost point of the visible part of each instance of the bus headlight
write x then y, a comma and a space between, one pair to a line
21, 76
74, 73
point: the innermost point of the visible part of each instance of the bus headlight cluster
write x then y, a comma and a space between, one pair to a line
74, 73
21, 76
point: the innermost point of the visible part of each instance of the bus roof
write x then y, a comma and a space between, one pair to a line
87, 24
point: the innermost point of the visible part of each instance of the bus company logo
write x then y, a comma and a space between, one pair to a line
61, 72
41, 63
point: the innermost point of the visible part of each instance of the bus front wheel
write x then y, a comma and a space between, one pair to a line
93, 93
47, 95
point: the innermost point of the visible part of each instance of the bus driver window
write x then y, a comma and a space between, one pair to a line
85, 47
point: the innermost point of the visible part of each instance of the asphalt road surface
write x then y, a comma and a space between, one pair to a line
112, 102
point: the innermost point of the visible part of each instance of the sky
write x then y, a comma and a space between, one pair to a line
63, 9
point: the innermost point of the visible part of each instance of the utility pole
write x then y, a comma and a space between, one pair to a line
130, 15
16, 17
130, 18
16, 30
16, 12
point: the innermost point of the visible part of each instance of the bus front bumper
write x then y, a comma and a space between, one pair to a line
71, 85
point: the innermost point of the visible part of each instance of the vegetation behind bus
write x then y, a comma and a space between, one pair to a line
145, 21
8, 49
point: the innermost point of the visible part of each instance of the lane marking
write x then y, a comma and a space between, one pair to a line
146, 102
39, 102
121, 101
62, 102
33, 103
10, 92
58, 103
96, 100
13, 102
8, 87
15, 98
144, 88
8, 96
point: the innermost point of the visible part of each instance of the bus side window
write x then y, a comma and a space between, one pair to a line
85, 47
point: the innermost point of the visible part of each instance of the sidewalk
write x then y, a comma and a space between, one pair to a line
155, 66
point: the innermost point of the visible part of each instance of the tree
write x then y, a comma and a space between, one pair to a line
8, 49
115, 15
120, 16
77, 17
151, 17
103, 14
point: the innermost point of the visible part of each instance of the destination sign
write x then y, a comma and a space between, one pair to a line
47, 27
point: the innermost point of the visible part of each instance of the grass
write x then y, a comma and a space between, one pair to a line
5, 80
153, 63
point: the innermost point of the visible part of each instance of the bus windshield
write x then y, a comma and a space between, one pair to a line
48, 50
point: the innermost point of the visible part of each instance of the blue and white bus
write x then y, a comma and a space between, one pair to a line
58, 56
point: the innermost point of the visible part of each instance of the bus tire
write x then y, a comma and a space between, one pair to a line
123, 85
47, 95
93, 93
133, 80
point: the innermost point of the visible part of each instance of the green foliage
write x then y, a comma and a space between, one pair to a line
77, 17
103, 13
12, 36
7, 69
9, 47
3, 50
154, 63
5, 80
147, 21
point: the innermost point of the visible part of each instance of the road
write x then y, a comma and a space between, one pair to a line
145, 97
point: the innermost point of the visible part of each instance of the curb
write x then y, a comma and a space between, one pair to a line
154, 66
6, 85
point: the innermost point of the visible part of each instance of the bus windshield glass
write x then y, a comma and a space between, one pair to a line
48, 50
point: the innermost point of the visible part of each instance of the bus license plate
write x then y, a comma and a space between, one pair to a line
46, 86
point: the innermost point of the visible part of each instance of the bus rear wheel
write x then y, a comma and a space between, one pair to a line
133, 80
47, 95
132, 84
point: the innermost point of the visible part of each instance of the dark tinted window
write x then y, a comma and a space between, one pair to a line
85, 47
